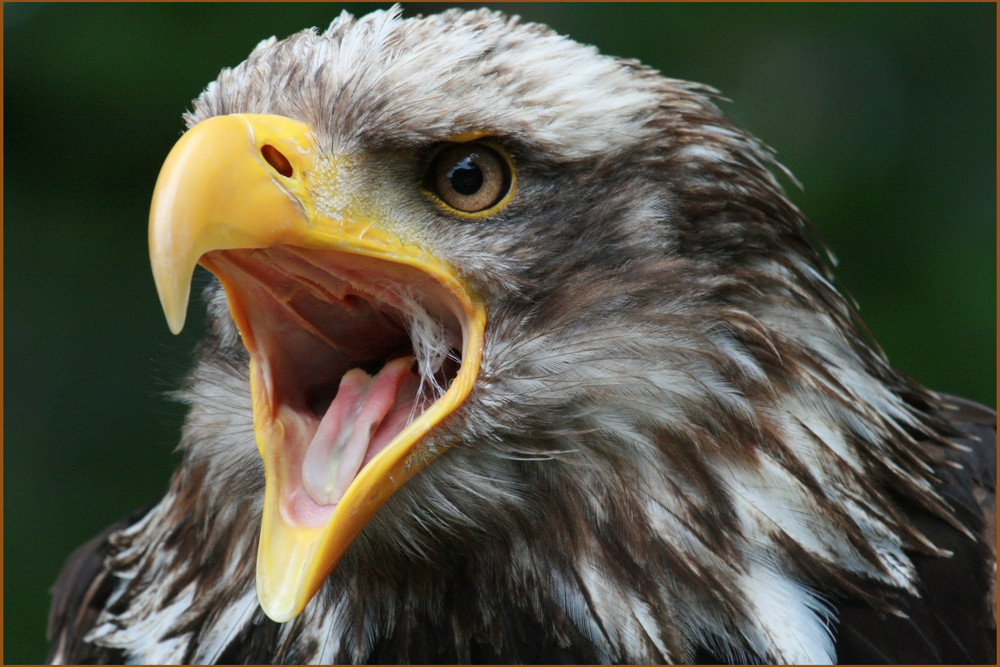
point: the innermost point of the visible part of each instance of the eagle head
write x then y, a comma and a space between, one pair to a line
540, 362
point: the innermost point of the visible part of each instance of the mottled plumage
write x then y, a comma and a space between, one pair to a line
681, 445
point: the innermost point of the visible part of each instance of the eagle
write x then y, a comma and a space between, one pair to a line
520, 353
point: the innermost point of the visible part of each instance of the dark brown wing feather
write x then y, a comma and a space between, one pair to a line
79, 595
954, 619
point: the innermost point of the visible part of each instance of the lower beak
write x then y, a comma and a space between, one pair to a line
236, 194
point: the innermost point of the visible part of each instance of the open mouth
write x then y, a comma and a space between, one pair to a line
362, 343
349, 351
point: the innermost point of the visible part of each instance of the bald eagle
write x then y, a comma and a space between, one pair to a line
520, 353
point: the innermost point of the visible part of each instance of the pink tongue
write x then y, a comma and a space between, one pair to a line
365, 415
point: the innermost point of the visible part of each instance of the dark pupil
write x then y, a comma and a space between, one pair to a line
465, 176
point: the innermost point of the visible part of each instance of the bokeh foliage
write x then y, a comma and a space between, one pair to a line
886, 114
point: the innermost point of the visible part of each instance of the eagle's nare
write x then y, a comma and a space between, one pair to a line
541, 365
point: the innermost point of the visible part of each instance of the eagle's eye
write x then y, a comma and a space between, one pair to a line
470, 177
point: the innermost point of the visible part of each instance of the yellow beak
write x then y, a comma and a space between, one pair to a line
242, 182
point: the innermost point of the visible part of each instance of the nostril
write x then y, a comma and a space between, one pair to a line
276, 159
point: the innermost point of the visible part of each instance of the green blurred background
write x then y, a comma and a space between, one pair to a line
886, 113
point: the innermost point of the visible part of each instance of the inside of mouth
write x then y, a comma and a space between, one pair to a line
351, 350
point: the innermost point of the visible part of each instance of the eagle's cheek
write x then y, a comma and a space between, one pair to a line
359, 343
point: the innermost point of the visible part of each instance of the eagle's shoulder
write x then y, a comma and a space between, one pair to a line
80, 594
952, 620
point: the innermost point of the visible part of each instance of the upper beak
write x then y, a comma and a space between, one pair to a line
239, 182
